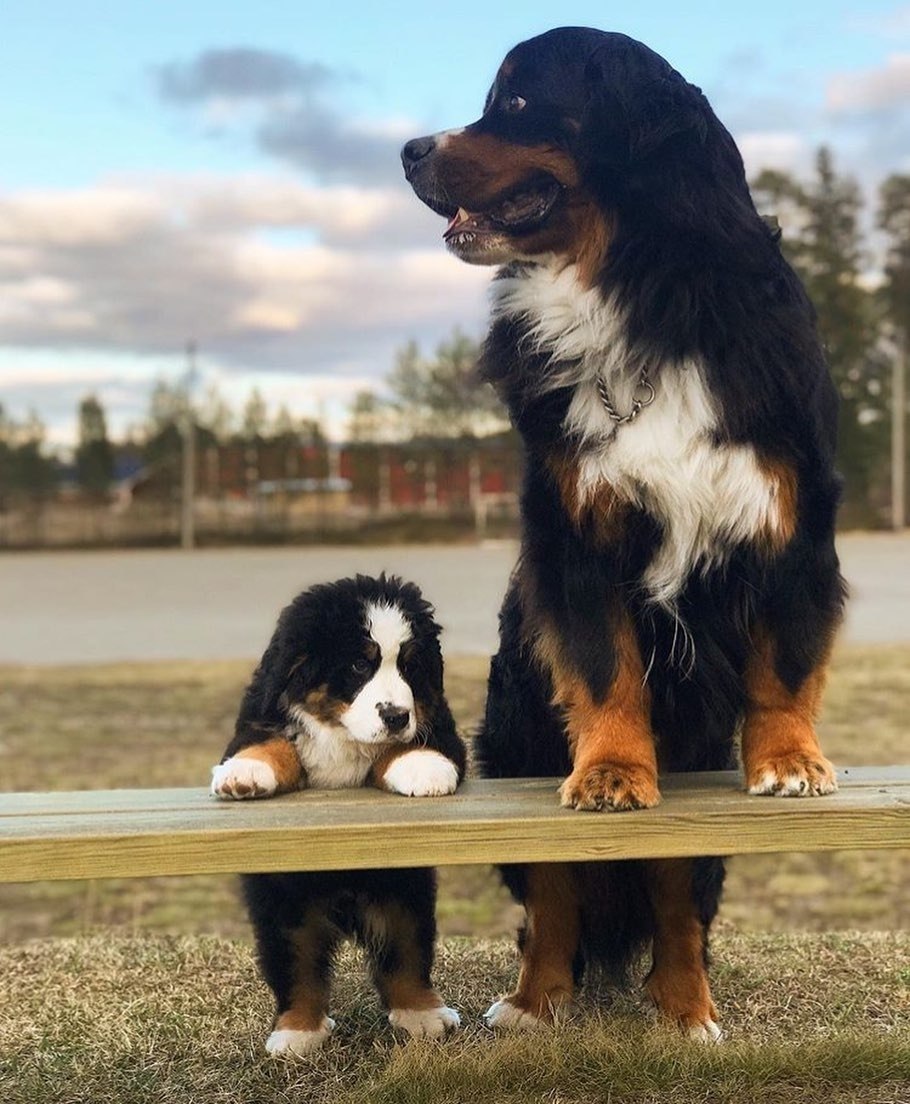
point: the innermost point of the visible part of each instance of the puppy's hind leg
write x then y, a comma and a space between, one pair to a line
399, 932
296, 962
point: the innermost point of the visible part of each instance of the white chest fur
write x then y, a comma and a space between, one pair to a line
331, 759
708, 497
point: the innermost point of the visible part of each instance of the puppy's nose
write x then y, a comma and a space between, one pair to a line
416, 150
393, 716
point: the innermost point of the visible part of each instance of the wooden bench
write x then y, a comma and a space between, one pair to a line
132, 833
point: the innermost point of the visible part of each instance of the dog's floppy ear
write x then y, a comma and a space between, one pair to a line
636, 104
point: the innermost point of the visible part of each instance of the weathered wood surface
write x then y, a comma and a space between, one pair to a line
124, 833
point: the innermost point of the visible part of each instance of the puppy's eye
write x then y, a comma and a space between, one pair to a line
361, 666
514, 103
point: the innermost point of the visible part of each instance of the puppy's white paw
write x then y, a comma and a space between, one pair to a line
430, 1023
421, 773
242, 777
707, 1032
298, 1043
507, 1016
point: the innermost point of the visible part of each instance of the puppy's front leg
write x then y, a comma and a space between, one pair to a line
415, 772
264, 763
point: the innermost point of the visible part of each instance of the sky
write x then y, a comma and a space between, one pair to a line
228, 173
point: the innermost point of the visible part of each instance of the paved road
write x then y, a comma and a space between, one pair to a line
94, 607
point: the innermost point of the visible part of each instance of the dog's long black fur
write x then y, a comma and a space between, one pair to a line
695, 276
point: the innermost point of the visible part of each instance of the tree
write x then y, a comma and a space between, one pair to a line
365, 423
254, 419
821, 222
26, 472
894, 219
444, 396
94, 454
214, 413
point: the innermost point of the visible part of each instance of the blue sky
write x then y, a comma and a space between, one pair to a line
145, 193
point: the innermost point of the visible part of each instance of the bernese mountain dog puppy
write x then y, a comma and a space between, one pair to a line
349, 692
677, 583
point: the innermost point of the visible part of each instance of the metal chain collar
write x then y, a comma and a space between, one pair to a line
642, 396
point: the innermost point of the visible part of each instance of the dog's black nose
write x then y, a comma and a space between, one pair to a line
416, 150
393, 717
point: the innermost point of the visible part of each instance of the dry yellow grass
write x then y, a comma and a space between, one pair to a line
809, 1020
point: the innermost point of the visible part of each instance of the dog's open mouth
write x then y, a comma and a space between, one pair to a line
517, 212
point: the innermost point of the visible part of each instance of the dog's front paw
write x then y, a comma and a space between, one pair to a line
799, 774
427, 1023
240, 778
616, 786
287, 1043
421, 773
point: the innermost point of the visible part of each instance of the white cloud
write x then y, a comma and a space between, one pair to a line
783, 150
881, 87
271, 277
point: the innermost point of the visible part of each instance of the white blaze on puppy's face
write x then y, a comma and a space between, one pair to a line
389, 629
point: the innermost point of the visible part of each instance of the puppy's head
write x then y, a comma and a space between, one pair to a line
573, 121
360, 656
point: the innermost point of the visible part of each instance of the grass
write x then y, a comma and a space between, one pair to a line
165, 724
814, 1020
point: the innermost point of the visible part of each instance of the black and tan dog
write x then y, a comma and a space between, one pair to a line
349, 692
678, 581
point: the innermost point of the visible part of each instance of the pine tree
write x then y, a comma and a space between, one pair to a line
443, 396
894, 219
821, 222
94, 454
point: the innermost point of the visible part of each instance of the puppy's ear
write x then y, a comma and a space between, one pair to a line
633, 112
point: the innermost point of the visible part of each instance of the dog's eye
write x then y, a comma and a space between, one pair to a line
514, 103
361, 666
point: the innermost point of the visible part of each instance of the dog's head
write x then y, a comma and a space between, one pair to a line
360, 656
579, 126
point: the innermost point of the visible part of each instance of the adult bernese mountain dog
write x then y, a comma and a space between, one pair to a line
677, 583
349, 692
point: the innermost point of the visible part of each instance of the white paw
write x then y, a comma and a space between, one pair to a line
299, 1043
241, 778
707, 1032
509, 1017
421, 773
431, 1023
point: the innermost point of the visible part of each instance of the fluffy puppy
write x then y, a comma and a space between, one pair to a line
349, 692
678, 584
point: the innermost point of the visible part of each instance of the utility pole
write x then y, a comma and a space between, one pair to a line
898, 433
188, 482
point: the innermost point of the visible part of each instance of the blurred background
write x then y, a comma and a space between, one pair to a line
236, 359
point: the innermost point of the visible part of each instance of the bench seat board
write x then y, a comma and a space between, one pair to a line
130, 833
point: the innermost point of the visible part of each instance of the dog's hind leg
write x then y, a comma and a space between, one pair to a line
549, 948
678, 981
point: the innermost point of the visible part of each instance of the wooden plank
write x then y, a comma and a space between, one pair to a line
124, 833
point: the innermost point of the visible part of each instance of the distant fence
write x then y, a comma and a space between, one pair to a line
269, 494
310, 517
